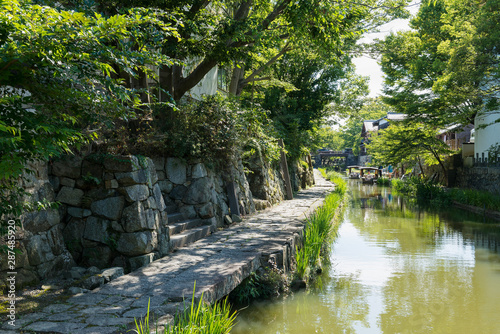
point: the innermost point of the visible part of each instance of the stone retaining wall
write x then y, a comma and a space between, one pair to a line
480, 178
114, 209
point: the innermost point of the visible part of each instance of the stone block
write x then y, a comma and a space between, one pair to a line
55, 182
40, 221
160, 203
138, 243
92, 282
134, 218
77, 272
56, 240
198, 171
78, 212
178, 192
55, 266
92, 168
97, 257
111, 184
140, 261
151, 172
131, 178
176, 170
138, 192
205, 210
124, 163
161, 175
150, 203
96, 229
188, 211
93, 270
70, 167
159, 163
67, 182
165, 186
25, 278
39, 250
116, 226
112, 273
199, 192
110, 208
70, 196
152, 219
73, 234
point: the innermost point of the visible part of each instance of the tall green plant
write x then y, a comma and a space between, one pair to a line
321, 229
199, 318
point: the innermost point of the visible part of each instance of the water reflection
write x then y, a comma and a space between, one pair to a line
396, 268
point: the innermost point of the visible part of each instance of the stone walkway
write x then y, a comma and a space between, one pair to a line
218, 264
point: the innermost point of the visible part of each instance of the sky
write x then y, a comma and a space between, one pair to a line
368, 66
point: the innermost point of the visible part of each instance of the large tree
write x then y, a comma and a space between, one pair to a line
250, 35
446, 69
402, 142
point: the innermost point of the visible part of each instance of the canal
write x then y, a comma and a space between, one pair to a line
395, 268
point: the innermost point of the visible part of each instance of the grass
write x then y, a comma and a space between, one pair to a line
200, 318
477, 198
321, 228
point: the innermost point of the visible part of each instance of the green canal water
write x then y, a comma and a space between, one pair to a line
395, 269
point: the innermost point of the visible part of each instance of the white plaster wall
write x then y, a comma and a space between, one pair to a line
488, 136
207, 86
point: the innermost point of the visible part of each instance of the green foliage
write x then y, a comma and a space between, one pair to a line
426, 192
402, 143
445, 71
212, 129
321, 229
199, 318
251, 35
58, 73
268, 283
350, 132
383, 181
481, 199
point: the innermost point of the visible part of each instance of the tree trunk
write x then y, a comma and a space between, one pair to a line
440, 163
236, 77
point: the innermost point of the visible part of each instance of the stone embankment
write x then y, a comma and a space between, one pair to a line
218, 263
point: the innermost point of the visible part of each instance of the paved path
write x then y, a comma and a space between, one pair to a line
218, 264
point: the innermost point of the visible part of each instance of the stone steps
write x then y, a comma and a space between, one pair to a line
189, 236
183, 225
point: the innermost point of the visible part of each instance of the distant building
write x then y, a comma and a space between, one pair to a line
455, 136
371, 127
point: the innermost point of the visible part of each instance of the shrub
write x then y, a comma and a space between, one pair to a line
383, 181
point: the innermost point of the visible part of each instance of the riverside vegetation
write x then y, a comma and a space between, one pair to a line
321, 229
200, 318
435, 195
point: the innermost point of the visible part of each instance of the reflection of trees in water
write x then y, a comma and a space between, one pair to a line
343, 302
432, 298
398, 213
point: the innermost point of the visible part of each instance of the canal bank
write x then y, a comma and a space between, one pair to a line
218, 264
395, 268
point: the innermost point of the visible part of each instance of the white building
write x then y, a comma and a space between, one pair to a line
484, 138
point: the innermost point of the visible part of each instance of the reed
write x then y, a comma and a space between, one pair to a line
321, 228
200, 318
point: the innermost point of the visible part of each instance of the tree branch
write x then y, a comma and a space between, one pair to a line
271, 61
